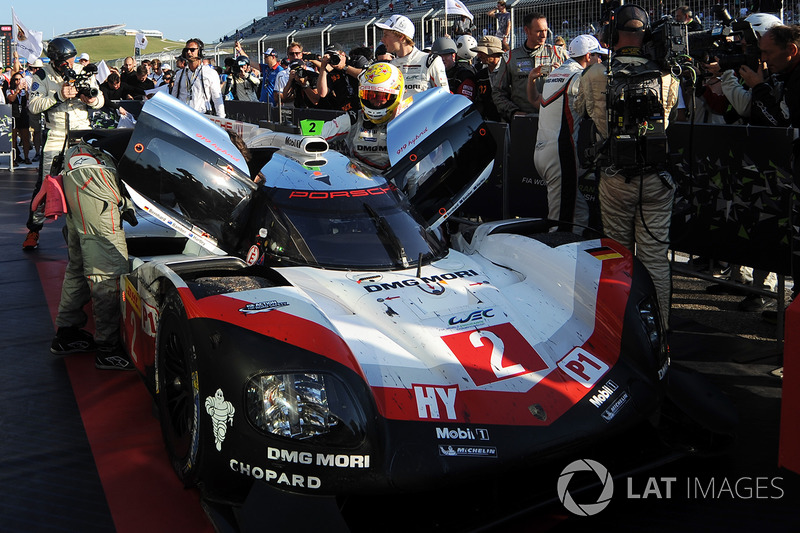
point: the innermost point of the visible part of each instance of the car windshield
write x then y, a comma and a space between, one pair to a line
348, 229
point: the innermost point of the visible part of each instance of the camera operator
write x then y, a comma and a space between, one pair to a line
242, 82
55, 94
635, 193
338, 81
299, 85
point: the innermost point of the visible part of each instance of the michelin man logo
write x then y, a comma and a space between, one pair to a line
221, 414
587, 509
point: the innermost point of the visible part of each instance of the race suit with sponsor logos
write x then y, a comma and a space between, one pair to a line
555, 156
421, 71
98, 254
510, 92
365, 140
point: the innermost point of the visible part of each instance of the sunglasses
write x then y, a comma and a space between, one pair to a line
295, 53
193, 49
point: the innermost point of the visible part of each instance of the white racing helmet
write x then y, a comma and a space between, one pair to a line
464, 46
380, 91
761, 22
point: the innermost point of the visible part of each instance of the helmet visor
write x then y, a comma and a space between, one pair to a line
376, 99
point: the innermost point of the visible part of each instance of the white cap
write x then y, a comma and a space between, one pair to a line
165, 66
398, 23
83, 56
37, 64
585, 44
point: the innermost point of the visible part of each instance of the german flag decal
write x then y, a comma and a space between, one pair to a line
603, 253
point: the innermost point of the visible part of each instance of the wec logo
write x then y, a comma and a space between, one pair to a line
474, 316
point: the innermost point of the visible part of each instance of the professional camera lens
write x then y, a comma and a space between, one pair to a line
335, 59
309, 57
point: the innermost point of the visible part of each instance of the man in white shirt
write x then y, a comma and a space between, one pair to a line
198, 85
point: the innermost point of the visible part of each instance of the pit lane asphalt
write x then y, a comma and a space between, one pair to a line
55, 487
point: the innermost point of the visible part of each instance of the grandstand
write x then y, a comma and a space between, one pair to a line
113, 29
352, 22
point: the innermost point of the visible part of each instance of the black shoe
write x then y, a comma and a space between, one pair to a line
72, 340
753, 303
112, 358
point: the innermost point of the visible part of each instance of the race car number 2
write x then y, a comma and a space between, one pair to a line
494, 353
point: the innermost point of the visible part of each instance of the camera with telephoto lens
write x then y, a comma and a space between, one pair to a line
312, 57
82, 80
733, 42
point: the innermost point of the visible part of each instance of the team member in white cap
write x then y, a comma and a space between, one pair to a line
555, 157
421, 71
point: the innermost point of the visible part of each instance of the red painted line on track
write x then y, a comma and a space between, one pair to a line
142, 491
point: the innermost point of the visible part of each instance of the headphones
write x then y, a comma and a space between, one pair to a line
200, 46
616, 14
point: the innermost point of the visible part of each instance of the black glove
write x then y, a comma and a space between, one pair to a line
129, 216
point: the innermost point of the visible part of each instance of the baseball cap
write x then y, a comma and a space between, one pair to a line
270, 52
585, 44
37, 64
334, 48
398, 23
489, 45
629, 16
83, 56
165, 66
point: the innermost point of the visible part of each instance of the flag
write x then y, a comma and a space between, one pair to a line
102, 71
454, 7
29, 43
141, 41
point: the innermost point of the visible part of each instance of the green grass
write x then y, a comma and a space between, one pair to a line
117, 47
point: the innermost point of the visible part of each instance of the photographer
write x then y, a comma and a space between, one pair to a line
301, 82
338, 82
54, 93
242, 83
635, 191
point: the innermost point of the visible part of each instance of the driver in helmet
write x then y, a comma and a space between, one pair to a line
64, 109
381, 93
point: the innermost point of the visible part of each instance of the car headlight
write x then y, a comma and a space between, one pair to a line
651, 319
304, 406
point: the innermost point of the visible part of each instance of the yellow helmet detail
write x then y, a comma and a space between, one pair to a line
380, 91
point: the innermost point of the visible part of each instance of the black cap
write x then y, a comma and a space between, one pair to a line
334, 48
627, 15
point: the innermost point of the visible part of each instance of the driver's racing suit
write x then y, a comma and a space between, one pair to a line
421, 71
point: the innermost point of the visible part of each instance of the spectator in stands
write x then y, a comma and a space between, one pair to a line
419, 71
531, 62
197, 85
684, 14
338, 81
503, 18
490, 52
269, 72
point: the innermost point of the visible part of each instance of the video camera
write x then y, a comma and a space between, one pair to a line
733, 42
81, 80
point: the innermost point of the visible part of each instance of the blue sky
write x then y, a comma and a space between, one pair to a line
178, 19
